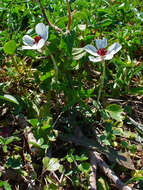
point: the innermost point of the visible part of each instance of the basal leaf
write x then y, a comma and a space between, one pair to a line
115, 112
84, 167
51, 164
10, 47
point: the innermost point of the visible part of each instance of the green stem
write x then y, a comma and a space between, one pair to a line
102, 81
54, 63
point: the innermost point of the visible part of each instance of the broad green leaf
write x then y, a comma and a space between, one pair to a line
10, 47
9, 98
47, 123
14, 163
70, 159
34, 122
44, 77
36, 144
51, 164
84, 167
5, 185
115, 112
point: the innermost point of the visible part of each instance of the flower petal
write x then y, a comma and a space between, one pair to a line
93, 59
40, 44
37, 46
91, 49
108, 56
114, 48
27, 47
101, 43
47, 30
27, 40
42, 30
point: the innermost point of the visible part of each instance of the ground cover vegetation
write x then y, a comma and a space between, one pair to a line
71, 88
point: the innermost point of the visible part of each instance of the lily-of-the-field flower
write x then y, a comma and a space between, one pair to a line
100, 52
38, 41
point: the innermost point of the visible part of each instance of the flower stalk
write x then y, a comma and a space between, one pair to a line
54, 63
100, 54
69, 17
101, 81
47, 20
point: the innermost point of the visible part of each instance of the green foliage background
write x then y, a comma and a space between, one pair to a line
29, 88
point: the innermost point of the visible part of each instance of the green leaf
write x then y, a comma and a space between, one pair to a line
68, 41
34, 122
84, 167
47, 122
14, 163
136, 91
10, 47
35, 144
45, 146
81, 158
5, 185
104, 23
70, 159
51, 164
134, 179
4, 148
11, 139
115, 112
2, 140
45, 76
9, 98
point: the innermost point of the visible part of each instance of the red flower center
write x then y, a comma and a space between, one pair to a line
37, 38
102, 52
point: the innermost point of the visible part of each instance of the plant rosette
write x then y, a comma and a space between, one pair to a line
100, 52
38, 41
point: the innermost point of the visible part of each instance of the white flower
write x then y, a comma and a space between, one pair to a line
39, 41
100, 52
